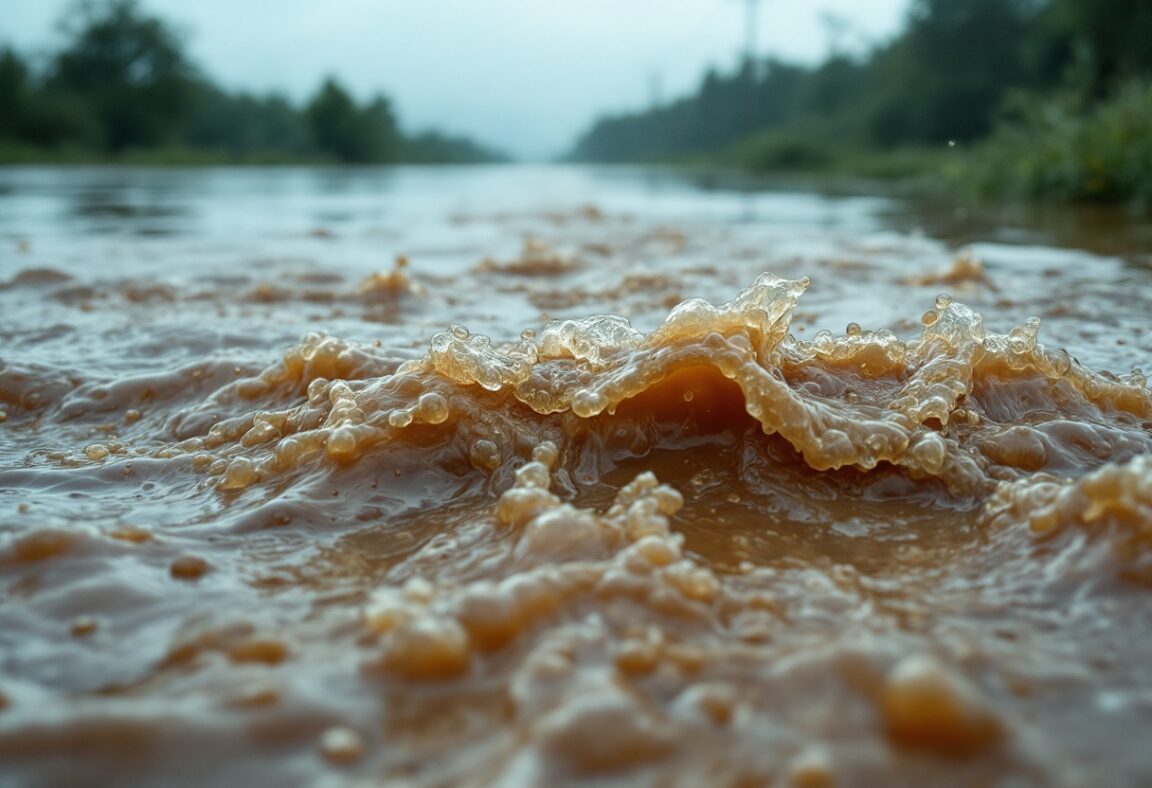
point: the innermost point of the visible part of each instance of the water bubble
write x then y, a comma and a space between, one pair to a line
400, 418
97, 452
545, 453
339, 390
527, 334
688, 396
485, 454
188, 567
943, 301
341, 745
930, 317
853, 330
83, 626
533, 474
433, 408
318, 391
588, 402
458, 332
1020, 340
341, 443
239, 474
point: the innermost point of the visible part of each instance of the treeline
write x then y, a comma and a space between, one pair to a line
122, 86
961, 71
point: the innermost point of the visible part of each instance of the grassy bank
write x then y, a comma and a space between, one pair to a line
1056, 149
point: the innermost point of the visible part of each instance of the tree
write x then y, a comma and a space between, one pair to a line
945, 77
13, 93
350, 133
1096, 44
128, 69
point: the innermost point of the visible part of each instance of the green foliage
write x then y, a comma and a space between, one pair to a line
1052, 148
432, 147
1093, 45
13, 93
243, 126
724, 110
350, 133
127, 70
781, 150
948, 77
945, 76
123, 87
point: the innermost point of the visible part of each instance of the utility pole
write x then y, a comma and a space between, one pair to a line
655, 89
751, 19
751, 23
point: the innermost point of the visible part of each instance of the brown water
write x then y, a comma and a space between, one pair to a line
543, 476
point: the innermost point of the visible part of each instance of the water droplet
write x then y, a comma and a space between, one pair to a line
318, 391
341, 443
341, 745
458, 332
930, 317
943, 301
853, 330
239, 474
97, 452
433, 408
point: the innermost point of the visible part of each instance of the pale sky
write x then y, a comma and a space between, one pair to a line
526, 76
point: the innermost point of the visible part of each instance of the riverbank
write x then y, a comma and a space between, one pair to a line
1047, 150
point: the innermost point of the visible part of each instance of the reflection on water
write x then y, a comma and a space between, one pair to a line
534, 476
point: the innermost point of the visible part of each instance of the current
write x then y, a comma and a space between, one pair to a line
547, 476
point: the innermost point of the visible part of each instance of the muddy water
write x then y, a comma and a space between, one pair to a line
542, 476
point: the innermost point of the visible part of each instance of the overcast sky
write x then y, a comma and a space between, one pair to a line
523, 75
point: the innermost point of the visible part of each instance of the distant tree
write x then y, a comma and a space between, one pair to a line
349, 133
13, 93
128, 69
945, 77
1095, 44
122, 81
245, 125
432, 147
377, 125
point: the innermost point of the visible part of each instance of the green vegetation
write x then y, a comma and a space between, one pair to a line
1058, 149
1043, 99
122, 88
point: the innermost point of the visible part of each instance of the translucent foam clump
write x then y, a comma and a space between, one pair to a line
764, 307
1112, 504
562, 559
932, 405
589, 339
928, 707
472, 359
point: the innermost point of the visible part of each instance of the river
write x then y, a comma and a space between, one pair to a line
525, 475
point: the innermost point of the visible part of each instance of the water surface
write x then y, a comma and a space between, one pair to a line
526, 475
